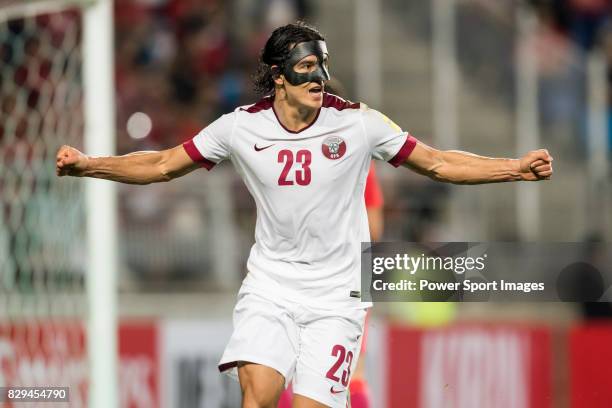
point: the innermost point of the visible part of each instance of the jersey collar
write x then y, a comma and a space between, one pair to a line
294, 131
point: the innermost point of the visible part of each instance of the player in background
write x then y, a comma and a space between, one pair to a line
358, 387
304, 156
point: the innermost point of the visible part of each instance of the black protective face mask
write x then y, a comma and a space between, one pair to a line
321, 73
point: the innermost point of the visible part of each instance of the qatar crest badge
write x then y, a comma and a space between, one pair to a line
333, 147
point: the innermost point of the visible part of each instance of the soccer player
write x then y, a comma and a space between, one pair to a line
304, 156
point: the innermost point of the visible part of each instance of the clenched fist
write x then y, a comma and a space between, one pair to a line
70, 162
536, 165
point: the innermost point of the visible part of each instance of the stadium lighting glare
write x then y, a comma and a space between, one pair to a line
139, 125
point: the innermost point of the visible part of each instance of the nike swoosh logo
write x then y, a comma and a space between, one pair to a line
259, 149
335, 391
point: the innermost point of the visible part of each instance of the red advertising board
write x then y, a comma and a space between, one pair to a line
139, 364
45, 353
502, 366
591, 366
472, 365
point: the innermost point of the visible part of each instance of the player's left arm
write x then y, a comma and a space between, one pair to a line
458, 167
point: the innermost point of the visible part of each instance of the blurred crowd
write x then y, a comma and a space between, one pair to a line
566, 31
185, 62
180, 64
584, 22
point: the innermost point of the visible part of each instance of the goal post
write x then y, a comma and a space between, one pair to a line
102, 268
58, 246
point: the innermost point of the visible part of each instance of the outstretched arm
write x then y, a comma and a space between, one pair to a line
459, 167
133, 168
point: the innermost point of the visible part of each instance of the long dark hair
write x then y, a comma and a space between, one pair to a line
277, 49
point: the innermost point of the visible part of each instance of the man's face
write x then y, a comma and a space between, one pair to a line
308, 94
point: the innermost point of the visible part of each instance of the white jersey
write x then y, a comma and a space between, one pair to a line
308, 187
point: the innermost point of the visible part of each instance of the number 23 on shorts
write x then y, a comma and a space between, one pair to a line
342, 356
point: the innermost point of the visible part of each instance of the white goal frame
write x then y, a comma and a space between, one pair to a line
101, 213
101, 205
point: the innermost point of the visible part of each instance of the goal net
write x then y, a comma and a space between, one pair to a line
43, 303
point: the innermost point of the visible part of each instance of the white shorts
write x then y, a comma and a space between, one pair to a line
315, 349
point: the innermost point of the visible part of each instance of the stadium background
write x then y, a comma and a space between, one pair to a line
492, 77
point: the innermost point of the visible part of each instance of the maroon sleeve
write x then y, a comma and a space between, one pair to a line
196, 156
404, 151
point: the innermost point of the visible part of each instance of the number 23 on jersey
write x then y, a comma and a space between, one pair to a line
301, 176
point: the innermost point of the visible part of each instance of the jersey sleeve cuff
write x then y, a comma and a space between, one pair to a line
196, 156
404, 151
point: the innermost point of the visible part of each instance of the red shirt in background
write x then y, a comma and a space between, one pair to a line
373, 193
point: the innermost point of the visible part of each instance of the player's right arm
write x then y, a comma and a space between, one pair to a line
135, 168
206, 149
